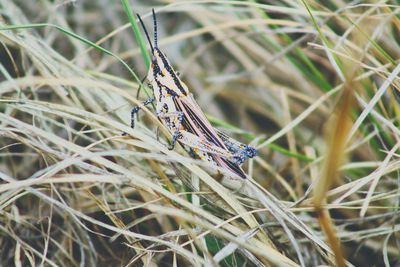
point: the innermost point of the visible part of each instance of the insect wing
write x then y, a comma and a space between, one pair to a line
196, 121
196, 117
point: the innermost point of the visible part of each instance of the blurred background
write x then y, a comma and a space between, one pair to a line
74, 192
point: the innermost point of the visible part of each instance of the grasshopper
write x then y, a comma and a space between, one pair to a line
179, 113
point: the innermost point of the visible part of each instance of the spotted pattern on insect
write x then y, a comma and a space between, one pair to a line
179, 112
161, 75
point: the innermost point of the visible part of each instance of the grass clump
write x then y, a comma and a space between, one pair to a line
312, 85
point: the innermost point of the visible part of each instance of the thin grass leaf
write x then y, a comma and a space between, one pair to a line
138, 34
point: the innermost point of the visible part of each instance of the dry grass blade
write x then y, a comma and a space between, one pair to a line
75, 191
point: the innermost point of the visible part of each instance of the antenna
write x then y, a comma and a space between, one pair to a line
155, 29
145, 31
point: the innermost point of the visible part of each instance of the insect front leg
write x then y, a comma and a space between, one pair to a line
137, 108
179, 115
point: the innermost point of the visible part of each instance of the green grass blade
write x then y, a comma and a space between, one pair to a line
138, 35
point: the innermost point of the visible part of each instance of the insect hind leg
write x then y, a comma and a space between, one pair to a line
239, 158
241, 151
241, 154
